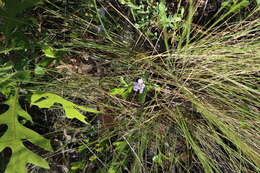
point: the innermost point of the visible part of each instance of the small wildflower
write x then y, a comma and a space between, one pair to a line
100, 28
102, 12
139, 86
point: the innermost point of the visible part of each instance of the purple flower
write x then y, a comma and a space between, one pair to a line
102, 12
139, 86
100, 28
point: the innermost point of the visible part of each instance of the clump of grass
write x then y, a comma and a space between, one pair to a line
201, 113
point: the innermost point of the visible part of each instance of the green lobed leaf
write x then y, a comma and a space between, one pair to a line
16, 134
46, 100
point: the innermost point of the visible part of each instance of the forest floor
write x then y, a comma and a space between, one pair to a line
130, 86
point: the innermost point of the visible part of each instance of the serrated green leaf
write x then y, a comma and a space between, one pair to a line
16, 134
46, 100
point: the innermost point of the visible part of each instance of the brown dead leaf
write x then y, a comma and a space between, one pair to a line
2, 37
74, 66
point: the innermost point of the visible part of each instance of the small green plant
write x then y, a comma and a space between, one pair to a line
138, 87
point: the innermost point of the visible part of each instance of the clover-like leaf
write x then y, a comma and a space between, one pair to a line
46, 100
16, 134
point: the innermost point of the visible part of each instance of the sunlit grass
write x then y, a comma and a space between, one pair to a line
201, 114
